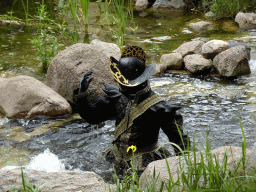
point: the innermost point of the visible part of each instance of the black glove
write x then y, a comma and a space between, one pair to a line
85, 81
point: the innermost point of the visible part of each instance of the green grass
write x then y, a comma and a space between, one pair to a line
122, 11
229, 8
208, 174
85, 6
27, 186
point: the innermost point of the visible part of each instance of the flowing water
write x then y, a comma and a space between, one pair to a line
68, 143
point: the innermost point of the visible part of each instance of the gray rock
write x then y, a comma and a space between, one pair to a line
246, 20
70, 181
200, 26
191, 47
213, 48
68, 66
232, 62
172, 60
9, 22
170, 4
26, 97
235, 43
209, 14
161, 168
197, 64
141, 4
159, 70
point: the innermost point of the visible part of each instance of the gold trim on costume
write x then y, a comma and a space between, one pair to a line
118, 76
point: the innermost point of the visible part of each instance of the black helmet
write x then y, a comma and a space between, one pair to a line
131, 69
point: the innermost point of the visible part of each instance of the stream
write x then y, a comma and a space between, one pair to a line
68, 143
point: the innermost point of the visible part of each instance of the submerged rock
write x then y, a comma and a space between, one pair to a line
232, 62
160, 168
197, 64
69, 65
246, 20
200, 26
26, 97
68, 181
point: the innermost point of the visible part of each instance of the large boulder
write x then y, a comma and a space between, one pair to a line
235, 43
68, 66
200, 26
69, 181
246, 20
172, 60
191, 47
213, 48
232, 62
26, 97
197, 64
170, 4
160, 168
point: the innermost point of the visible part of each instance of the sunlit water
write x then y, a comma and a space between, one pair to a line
208, 102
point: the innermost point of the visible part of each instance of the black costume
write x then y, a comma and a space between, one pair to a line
138, 120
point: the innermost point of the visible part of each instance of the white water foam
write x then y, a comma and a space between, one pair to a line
46, 161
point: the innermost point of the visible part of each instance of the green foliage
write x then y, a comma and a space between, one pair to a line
9, 16
47, 47
85, 6
228, 8
26, 186
46, 43
122, 11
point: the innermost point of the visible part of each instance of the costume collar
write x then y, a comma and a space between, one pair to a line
138, 95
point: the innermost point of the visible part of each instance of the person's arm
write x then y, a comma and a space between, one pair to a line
171, 124
93, 111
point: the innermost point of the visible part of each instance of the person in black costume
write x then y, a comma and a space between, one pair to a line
138, 111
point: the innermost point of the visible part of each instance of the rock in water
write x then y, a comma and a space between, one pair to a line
26, 97
68, 66
232, 62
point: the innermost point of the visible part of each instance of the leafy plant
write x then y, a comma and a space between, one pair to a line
47, 46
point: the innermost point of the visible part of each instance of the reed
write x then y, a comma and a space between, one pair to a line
25, 7
85, 7
122, 12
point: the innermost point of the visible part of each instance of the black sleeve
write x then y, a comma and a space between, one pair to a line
171, 124
95, 111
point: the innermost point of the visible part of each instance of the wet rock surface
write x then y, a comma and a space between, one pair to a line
26, 97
